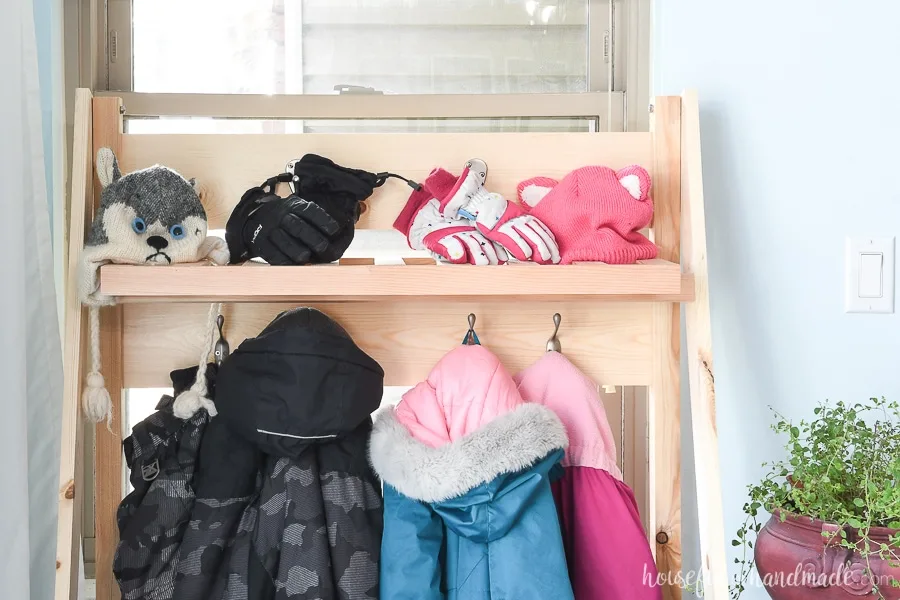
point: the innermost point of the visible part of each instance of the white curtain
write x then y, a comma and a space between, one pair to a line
30, 354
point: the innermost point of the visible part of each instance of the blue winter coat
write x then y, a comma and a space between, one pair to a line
472, 518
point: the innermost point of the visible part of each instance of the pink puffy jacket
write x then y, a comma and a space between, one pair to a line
607, 550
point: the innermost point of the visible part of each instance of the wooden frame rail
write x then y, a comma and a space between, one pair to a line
587, 105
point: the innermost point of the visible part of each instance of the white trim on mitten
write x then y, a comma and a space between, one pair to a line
472, 243
428, 220
524, 229
470, 197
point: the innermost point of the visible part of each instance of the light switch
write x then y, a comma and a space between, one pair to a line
869, 278
870, 274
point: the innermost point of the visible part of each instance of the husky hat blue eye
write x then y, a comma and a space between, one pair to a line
138, 225
176, 231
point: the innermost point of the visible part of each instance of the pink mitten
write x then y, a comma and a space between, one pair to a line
448, 240
521, 234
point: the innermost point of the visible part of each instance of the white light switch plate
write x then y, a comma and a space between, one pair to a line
869, 275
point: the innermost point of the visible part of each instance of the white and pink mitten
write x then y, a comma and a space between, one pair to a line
522, 235
446, 239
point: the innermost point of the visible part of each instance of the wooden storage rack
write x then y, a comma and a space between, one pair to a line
621, 322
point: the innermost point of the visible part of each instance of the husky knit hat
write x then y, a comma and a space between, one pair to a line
595, 212
153, 211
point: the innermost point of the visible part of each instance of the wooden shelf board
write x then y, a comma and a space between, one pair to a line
655, 280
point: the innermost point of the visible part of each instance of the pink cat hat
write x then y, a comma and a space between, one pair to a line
596, 213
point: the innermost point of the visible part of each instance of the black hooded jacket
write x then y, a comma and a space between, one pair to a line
163, 454
302, 393
274, 497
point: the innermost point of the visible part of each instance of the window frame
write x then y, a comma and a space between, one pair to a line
98, 55
625, 61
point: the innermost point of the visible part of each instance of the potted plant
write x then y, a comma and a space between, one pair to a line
834, 506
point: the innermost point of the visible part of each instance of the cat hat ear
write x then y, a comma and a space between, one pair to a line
531, 191
107, 167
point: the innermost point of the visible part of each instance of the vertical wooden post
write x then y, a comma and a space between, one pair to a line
107, 132
699, 357
637, 448
68, 536
665, 406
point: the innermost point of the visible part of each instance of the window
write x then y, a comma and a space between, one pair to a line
560, 49
312, 66
390, 46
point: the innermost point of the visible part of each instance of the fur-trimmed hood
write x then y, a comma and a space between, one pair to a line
463, 427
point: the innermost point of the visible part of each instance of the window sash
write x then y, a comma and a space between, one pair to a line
606, 21
625, 60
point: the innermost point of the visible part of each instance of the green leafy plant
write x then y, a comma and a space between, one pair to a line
842, 467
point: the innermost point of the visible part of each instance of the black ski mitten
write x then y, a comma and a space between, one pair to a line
284, 231
315, 224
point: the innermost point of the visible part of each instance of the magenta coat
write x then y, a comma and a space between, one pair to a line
607, 549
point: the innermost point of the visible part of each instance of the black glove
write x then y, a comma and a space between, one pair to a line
319, 179
336, 188
285, 231
313, 225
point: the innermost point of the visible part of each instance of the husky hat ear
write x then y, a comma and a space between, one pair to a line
107, 167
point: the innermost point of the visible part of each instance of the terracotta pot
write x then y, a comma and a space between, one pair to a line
794, 563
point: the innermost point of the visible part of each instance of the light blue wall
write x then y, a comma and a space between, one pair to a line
799, 129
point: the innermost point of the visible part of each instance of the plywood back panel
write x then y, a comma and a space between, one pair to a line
227, 165
609, 341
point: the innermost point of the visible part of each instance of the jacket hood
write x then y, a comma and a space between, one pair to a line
462, 428
301, 381
467, 389
555, 382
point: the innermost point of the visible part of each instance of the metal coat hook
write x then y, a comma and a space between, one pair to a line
479, 166
471, 333
222, 348
553, 344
